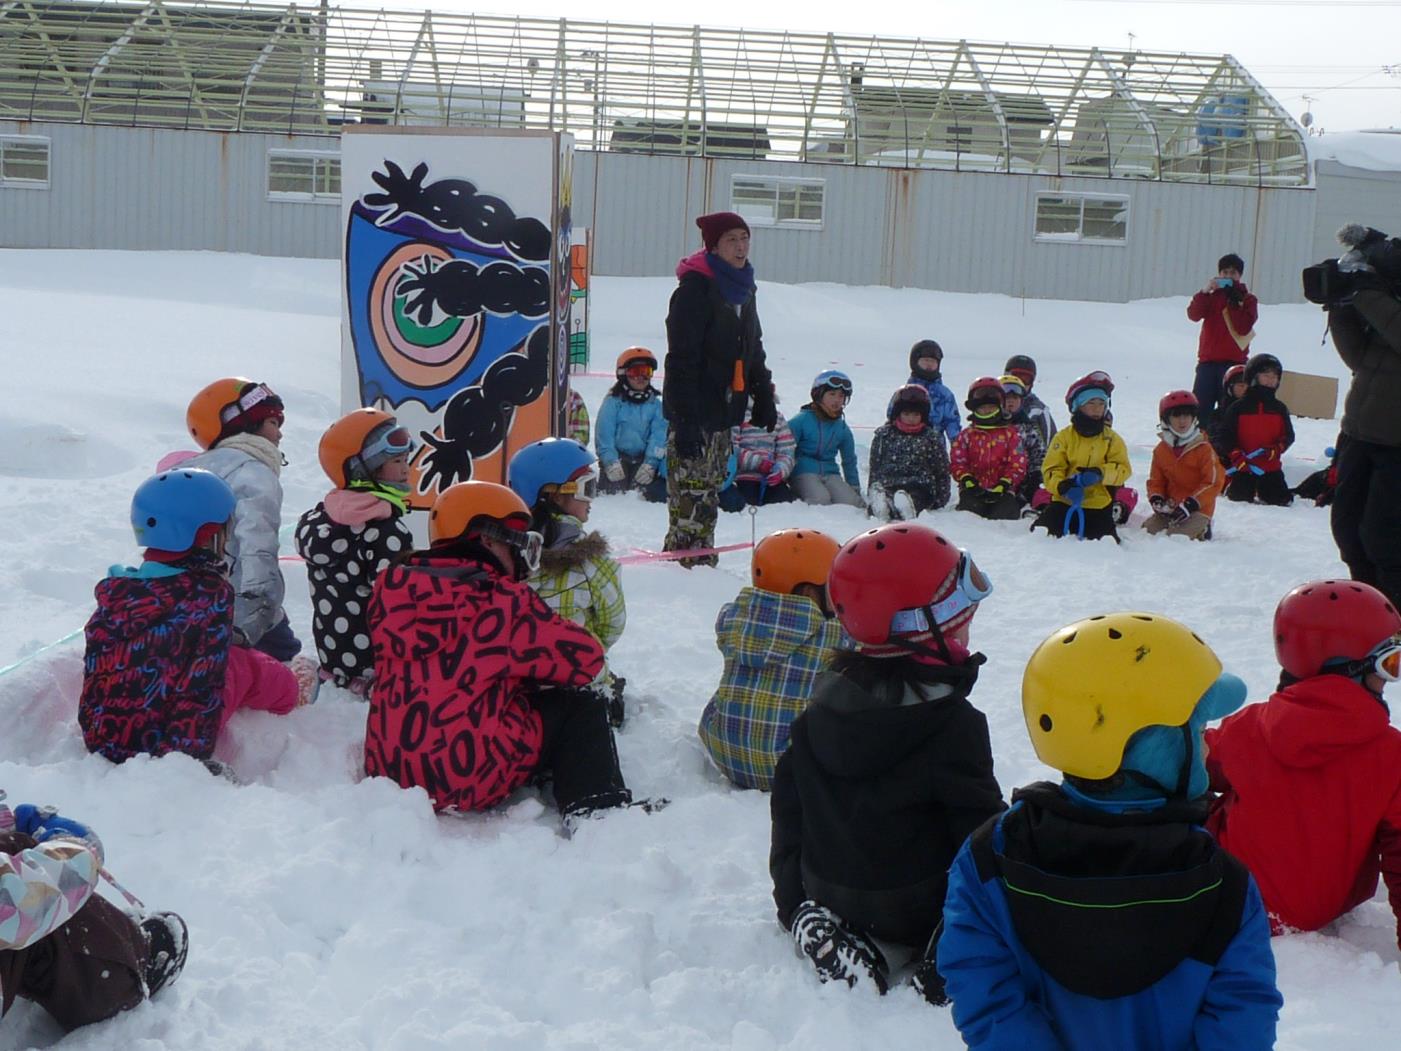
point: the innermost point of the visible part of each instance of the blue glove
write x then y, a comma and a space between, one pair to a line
42, 824
1089, 476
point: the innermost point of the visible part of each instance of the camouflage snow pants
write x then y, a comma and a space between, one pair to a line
693, 496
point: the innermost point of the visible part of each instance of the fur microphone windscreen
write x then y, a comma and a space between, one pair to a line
1355, 234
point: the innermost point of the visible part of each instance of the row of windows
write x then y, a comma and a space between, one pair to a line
781, 202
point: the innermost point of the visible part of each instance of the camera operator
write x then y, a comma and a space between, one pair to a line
1227, 311
1362, 293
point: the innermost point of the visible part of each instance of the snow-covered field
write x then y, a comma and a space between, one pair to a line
328, 911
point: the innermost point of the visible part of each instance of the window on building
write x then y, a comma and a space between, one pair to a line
777, 201
304, 176
24, 162
1082, 217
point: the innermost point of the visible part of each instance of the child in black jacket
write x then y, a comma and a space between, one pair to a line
909, 466
889, 768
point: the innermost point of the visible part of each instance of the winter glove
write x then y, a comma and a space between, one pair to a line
1185, 510
614, 472
764, 466
644, 475
1161, 504
1237, 459
45, 823
763, 413
688, 441
1089, 476
839, 954
929, 983
1001, 487
1073, 482
968, 483
774, 480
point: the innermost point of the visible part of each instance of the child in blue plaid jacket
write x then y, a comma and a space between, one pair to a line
776, 636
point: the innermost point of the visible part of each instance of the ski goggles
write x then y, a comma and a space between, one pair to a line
1385, 659
583, 486
971, 586
840, 383
526, 543
387, 444
640, 372
255, 395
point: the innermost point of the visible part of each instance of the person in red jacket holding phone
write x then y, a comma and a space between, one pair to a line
1253, 435
1310, 780
1227, 311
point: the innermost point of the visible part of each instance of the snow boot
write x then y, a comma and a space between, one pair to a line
167, 945
838, 953
902, 507
221, 769
573, 819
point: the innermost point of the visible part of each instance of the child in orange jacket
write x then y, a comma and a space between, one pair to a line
1186, 476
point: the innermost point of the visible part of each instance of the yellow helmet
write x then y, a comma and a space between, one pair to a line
1093, 684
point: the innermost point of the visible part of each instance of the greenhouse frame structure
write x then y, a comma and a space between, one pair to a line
658, 90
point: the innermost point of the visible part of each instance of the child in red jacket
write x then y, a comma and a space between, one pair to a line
1311, 779
465, 658
986, 459
1253, 434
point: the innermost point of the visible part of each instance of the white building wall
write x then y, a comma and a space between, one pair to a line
141, 188
1353, 195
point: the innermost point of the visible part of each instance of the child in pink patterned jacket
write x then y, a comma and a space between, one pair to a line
987, 459
61, 944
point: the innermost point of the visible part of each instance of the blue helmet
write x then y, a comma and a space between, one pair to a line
831, 379
169, 508
550, 461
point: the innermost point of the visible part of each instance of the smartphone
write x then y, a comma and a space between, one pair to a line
1224, 282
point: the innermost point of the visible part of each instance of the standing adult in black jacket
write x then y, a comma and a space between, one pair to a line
1366, 330
889, 769
714, 367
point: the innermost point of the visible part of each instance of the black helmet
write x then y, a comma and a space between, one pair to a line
1259, 363
925, 348
1020, 363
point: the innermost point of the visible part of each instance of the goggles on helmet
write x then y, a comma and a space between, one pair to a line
388, 444
971, 586
640, 371
583, 486
1385, 659
840, 383
255, 395
526, 543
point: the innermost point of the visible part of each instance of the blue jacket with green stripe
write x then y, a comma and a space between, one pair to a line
1068, 927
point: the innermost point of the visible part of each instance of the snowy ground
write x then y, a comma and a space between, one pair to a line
330, 911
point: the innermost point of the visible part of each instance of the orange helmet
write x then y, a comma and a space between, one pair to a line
228, 406
635, 356
461, 504
346, 441
790, 557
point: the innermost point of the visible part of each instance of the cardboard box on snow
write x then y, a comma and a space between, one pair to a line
1308, 395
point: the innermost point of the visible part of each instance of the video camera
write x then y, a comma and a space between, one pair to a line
1333, 282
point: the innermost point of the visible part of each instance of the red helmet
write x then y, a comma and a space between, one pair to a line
983, 390
902, 567
1096, 380
1235, 374
1177, 399
1330, 620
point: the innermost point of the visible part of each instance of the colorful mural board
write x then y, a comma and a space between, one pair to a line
580, 264
455, 311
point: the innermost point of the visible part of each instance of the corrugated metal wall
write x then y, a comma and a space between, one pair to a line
1353, 195
140, 188
149, 188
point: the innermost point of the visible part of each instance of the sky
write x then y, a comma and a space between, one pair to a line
1337, 52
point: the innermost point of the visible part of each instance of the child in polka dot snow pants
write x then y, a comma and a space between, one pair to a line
350, 536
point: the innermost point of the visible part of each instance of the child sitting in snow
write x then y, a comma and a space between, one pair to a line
558, 479
1185, 476
458, 633
987, 459
1014, 411
631, 432
239, 423
1310, 780
576, 418
889, 768
763, 463
1024, 368
1096, 914
909, 466
351, 535
820, 434
161, 672
1253, 435
774, 636
64, 946
1081, 462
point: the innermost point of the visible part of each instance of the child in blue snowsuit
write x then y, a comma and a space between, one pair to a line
1097, 914
926, 363
819, 435
630, 435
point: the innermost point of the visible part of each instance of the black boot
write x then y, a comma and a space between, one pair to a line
168, 943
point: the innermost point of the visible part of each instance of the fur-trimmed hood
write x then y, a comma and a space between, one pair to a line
574, 554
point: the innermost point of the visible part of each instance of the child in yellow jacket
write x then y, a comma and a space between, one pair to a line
1084, 460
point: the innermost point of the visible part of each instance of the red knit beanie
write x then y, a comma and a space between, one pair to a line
717, 224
